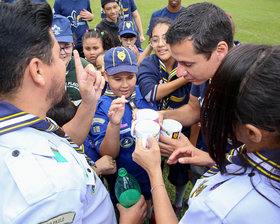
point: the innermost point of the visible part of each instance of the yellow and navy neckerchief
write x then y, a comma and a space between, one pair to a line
170, 74
13, 119
260, 160
163, 104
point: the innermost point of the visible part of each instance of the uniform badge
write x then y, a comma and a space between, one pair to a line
199, 189
58, 157
126, 142
128, 25
121, 55
64, 218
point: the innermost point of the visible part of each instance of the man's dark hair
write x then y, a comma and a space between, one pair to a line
24, 35
203, 23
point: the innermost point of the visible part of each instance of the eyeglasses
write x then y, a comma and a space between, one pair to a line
154, 41
67, 49
129, 40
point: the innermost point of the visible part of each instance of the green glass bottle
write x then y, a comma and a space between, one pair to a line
127, 189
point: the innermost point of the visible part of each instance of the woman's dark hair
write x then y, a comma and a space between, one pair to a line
203, 23
24, 35
106, 38
244, 90
163, 20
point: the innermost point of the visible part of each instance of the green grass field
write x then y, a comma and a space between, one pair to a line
257, 21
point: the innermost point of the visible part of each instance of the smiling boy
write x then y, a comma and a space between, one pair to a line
112, 121
110, 23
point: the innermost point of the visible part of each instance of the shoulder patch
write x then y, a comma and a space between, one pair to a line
96, 129
64, 218
98, 120
126, 142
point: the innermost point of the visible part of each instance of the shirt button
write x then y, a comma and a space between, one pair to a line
15, 153
89, 170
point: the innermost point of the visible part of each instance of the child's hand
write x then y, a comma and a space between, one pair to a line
135, 51
105, 165
86, 15
116, 110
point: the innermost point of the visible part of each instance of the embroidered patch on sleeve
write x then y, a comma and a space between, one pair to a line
96, 129
98, 120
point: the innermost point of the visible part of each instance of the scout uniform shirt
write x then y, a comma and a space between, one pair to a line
127, 143
231, 198
43, 179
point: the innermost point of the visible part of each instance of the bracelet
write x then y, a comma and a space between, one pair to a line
158, 185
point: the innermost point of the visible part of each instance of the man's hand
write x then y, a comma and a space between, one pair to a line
90, 81
168, 146
135, 214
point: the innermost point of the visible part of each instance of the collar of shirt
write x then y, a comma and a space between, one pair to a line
167, 77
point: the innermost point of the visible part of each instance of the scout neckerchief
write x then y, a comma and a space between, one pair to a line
260, 160
13, 119
166, 77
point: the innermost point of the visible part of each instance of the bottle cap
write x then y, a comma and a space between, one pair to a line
122, 172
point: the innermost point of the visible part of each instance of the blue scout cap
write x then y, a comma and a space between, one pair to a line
62, 29
120, 59
127, 27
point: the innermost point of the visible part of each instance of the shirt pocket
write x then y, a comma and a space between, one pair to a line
30, 178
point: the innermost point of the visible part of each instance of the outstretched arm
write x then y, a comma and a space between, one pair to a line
150, 160
91, 84
187, 115
138, 23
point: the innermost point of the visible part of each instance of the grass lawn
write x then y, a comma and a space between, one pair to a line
257, 21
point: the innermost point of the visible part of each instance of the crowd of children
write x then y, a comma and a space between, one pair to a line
191, 77
109, 136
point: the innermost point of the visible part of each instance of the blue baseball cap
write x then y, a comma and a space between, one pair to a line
127, 27
120, 59
61, 28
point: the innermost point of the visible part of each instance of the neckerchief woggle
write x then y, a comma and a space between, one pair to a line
260, 160
13, 119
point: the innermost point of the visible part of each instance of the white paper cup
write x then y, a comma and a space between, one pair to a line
147, 114
143, 129
171, 128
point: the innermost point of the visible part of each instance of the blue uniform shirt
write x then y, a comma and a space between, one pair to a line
162, 13
199, 92
71, 10
127, 144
